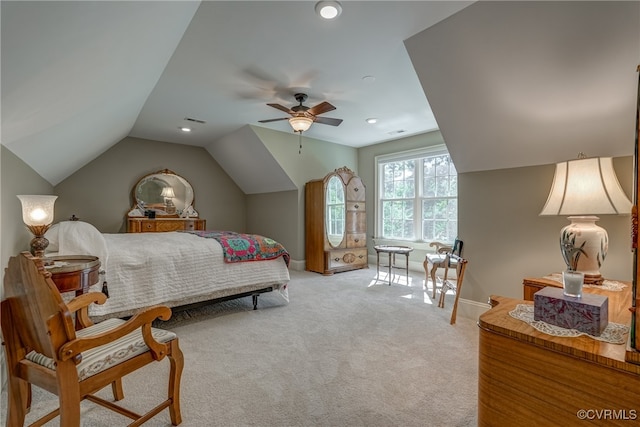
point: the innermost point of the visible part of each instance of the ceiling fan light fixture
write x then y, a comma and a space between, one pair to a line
328, 9
301, 123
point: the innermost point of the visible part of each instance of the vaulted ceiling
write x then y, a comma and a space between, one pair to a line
507, 83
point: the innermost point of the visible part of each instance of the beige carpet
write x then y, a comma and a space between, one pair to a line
346, 351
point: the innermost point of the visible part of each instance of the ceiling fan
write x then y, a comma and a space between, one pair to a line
302, 116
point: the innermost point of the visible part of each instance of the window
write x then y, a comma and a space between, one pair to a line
417, 196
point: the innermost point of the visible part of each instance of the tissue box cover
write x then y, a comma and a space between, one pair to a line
589, 314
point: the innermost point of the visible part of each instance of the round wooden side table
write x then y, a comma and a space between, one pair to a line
74, 272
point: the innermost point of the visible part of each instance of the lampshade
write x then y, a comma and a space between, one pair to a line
168, 192
300, 123
37, 210
586, 186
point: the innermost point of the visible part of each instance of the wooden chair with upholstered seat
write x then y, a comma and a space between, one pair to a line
434, 261
460, 265
43, 348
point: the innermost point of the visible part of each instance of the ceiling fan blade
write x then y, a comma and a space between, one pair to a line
328, 121
273, 120
282, 108
323, 107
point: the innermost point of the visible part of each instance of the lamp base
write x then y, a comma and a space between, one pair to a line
585, 243
593, 279
38, 245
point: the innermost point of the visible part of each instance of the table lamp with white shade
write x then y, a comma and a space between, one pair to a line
581, 189
37, 215
168, 194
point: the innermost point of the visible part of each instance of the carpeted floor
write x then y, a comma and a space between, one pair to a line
346, 351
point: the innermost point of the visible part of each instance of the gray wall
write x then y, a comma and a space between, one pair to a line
16, 178
506, 240
275, 215
101, 191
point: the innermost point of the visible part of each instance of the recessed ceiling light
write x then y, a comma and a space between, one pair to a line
185, 129
372, 120
328, 9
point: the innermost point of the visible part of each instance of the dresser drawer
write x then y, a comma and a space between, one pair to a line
152, 225
356, 206
346, 258
356, 240
174, 225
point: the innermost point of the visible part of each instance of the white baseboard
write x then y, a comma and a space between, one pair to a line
470, 309
297, 265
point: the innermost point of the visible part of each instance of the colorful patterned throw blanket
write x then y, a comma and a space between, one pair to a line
239, 247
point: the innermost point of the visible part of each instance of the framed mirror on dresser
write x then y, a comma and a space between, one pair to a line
163, 201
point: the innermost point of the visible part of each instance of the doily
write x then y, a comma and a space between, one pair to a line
609, 285
614, 333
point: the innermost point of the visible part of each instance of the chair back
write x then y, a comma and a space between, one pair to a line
39, 316
457, 247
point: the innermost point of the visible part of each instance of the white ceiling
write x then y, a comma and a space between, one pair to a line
512, 83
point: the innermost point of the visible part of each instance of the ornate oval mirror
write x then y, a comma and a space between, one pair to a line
165, 194
335, 211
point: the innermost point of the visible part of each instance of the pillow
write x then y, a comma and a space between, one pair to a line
81, 238
52, 236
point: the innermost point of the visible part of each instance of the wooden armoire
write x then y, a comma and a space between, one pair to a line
335, 223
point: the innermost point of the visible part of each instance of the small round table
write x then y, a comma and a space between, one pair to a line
392, 251
74, 272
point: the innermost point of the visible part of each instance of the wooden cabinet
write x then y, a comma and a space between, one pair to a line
153, 225
335, 223
529, 378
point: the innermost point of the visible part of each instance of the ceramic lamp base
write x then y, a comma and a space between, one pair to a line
593, 241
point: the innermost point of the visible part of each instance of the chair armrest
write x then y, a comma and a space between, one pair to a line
441, 247
141, 320
80, 304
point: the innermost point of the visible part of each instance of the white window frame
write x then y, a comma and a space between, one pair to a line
380, 160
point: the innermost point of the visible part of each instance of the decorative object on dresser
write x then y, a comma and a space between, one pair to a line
335, 223
581, 189
37, 215
163, 201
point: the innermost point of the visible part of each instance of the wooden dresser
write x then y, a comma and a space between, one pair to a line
531, 285
528, 378
151, 225
335, 223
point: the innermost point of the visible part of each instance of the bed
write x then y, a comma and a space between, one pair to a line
172, 268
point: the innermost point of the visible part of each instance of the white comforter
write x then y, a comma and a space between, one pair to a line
144, 269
